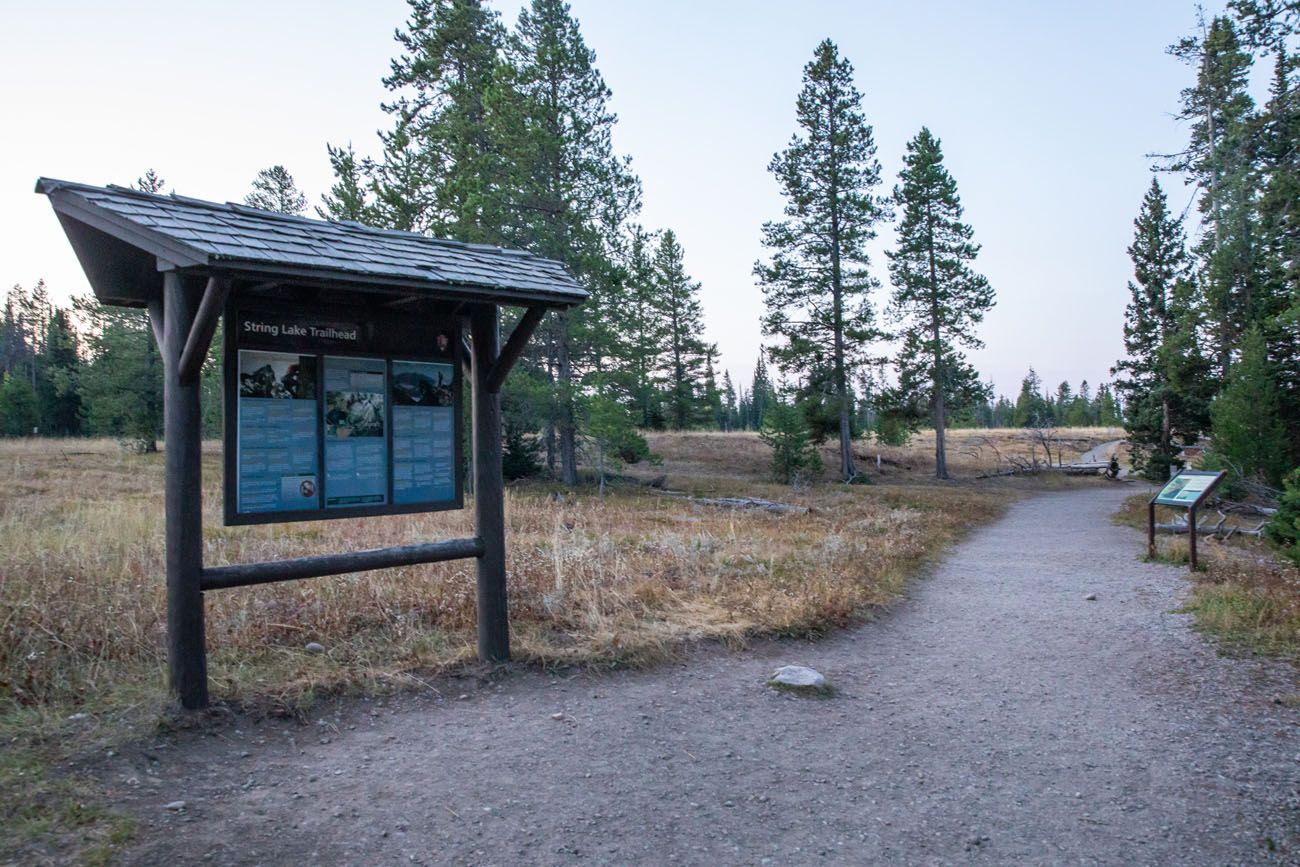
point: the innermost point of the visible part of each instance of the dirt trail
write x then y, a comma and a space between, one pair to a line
995, 717
1103, 452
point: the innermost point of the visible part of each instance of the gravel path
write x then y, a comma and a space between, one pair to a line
995, 717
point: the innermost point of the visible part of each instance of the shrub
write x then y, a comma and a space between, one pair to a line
1284, 529
794, 454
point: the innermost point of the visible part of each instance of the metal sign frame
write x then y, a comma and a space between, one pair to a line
1191, 507
387, 341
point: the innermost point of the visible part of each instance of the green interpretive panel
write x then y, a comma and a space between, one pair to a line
1188, 488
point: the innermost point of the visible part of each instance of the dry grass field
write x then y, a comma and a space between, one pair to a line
724, 460
627, 579
1244, 595
617, 580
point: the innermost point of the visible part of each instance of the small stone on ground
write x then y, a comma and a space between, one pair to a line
798, 678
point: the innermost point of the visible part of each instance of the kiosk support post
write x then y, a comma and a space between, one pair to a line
182, 432
1151, 530
1191, 536
489, 489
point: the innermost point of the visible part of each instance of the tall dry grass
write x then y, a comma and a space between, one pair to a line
619, 580
1244, 594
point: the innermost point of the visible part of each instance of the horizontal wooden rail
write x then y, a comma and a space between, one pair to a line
219, 577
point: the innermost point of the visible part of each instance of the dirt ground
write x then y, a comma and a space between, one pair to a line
996, 716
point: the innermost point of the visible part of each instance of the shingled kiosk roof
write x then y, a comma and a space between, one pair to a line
123, 237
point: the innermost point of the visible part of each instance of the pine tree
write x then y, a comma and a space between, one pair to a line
795, 458
122, 383
19, 411
444, 80
566, 194
1108, 412
643, 327
1279, 229
59, 391
274, 190
937, 296
1031, 409
709, 410
1220, 161
349, 198
730, 418
684, 317
1249, 438
762, 395
150, 182
816, 286
1163, 379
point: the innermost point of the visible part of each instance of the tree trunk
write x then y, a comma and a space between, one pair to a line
940, 409
567, 427
1166, 438
847, 470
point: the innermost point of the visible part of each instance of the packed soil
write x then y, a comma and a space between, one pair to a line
997, 715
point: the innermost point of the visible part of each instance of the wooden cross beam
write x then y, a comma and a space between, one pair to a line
205, 325
514, 348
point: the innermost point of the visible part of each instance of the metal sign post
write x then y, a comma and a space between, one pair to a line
1187, 490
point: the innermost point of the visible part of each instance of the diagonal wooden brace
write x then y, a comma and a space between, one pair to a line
514, 348
205, 325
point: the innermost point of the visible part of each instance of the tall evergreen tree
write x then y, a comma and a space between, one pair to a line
122, 383
1248, 435
1164, 379
1279, 229
444, 80
762, 395
59, 390
684, 317
1220, 161
816, 286
644, 330
1031, 409
937, 296
729, 420
567, 194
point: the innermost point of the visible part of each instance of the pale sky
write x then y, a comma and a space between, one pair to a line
1046, 110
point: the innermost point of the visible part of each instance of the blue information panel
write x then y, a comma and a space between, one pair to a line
424, 455
356, 440
277, 432
328, 416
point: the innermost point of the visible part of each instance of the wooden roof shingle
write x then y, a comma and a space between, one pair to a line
120, 233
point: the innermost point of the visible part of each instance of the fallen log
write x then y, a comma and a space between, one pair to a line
742, 503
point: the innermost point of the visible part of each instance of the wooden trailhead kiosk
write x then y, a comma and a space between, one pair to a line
345, 351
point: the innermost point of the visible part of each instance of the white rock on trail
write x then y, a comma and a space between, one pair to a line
798, 678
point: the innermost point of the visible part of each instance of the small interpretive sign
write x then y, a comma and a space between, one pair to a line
1187, 488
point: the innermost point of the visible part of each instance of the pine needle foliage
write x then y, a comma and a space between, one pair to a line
938, 298
817, 286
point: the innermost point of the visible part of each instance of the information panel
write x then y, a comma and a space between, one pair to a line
1187, 488
278, 471
424, 457
336, 415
